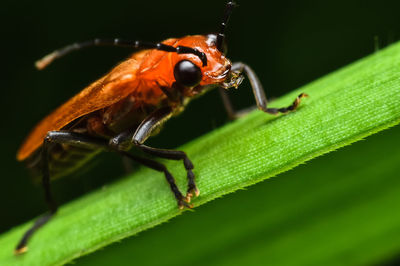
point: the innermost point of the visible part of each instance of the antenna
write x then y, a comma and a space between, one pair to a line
221, 34
45, 61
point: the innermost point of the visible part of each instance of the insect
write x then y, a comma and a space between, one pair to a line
125, 107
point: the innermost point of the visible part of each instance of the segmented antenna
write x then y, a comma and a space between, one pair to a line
48, 59
221, 34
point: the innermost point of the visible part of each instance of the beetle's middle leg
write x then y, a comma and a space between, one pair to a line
161, 168
141, 134
258, 92
174, 155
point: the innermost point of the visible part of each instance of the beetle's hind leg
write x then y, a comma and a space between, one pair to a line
54, 137
21, 247
259, 95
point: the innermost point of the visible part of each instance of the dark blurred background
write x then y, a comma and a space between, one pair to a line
288, 43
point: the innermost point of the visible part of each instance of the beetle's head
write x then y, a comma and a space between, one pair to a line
194, 63
210, 67
190, 71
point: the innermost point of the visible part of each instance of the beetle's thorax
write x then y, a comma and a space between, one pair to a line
157, 68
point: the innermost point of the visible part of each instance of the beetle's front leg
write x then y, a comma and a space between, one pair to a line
141, 134
258, 92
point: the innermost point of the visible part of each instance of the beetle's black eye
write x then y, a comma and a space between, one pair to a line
187, 73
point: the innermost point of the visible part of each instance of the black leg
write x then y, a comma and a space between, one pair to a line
175, 155
22, 247
161, 168
127, 164
232, 113
55, 137
144, 131
258, 92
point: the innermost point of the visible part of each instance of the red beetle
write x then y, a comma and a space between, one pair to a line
126, 106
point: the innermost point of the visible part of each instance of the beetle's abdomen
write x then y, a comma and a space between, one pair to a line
63, 160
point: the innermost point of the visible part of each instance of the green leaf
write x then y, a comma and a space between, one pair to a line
343, 107
341, 209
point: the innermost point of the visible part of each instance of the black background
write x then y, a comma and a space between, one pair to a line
288, 43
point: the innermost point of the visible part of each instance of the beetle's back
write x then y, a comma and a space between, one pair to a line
113, 87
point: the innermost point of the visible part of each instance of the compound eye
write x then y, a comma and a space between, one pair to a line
187, 73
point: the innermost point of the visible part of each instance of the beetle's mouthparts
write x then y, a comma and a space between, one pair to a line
234, 79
